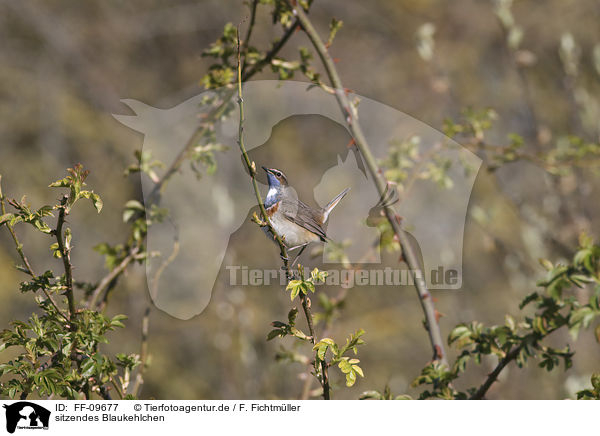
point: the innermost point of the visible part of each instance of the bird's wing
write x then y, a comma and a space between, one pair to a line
304, 216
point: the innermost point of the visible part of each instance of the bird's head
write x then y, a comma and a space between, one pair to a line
276, 177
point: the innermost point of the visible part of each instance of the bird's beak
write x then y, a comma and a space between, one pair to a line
267, 170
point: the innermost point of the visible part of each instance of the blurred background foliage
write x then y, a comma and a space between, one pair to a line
65, 65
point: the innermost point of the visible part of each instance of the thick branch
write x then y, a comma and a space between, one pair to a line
350, 116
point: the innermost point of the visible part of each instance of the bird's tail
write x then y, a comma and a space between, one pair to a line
333, 203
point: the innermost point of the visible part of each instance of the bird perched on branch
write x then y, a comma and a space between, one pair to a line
295, 222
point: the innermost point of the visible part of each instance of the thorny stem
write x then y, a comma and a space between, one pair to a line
351, 118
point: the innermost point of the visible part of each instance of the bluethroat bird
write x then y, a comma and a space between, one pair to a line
295, 222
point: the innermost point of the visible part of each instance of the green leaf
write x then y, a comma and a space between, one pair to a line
298, 333
322, 346
55, 250
62, 183
295, 292
87, 367
6, 217
321, 351
358, 370
344, 366
350, 379
293, 313
294, 286
274, 333
460, 334
116, 321
131, 208
97, 202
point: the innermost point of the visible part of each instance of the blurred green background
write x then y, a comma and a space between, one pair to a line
64, 66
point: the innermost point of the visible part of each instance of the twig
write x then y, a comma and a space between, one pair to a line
246, 40
277, 46
139, 379
509, 357
252, 167
112, 381
493, 376
66, 257
19, 248
106, 282
309, 319
349, 113
283, 251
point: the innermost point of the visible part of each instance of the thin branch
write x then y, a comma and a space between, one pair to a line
246, 40
509, 357
109, 279
66, 257
252, 169
493, 376
19, 248
139, 378
324, 371
114, 383
277, 46
265, 219
349, 113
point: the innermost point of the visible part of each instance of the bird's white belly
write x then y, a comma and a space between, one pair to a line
293, 234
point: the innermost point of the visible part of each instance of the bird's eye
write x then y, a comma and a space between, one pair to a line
277, 173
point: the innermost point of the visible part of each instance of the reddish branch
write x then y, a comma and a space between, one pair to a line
348, 112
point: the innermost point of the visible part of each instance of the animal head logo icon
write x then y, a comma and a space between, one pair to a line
182, 277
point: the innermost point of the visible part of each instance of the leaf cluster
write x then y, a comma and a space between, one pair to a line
555, 307
347, 365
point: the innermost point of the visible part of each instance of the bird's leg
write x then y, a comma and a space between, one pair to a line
298, 255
